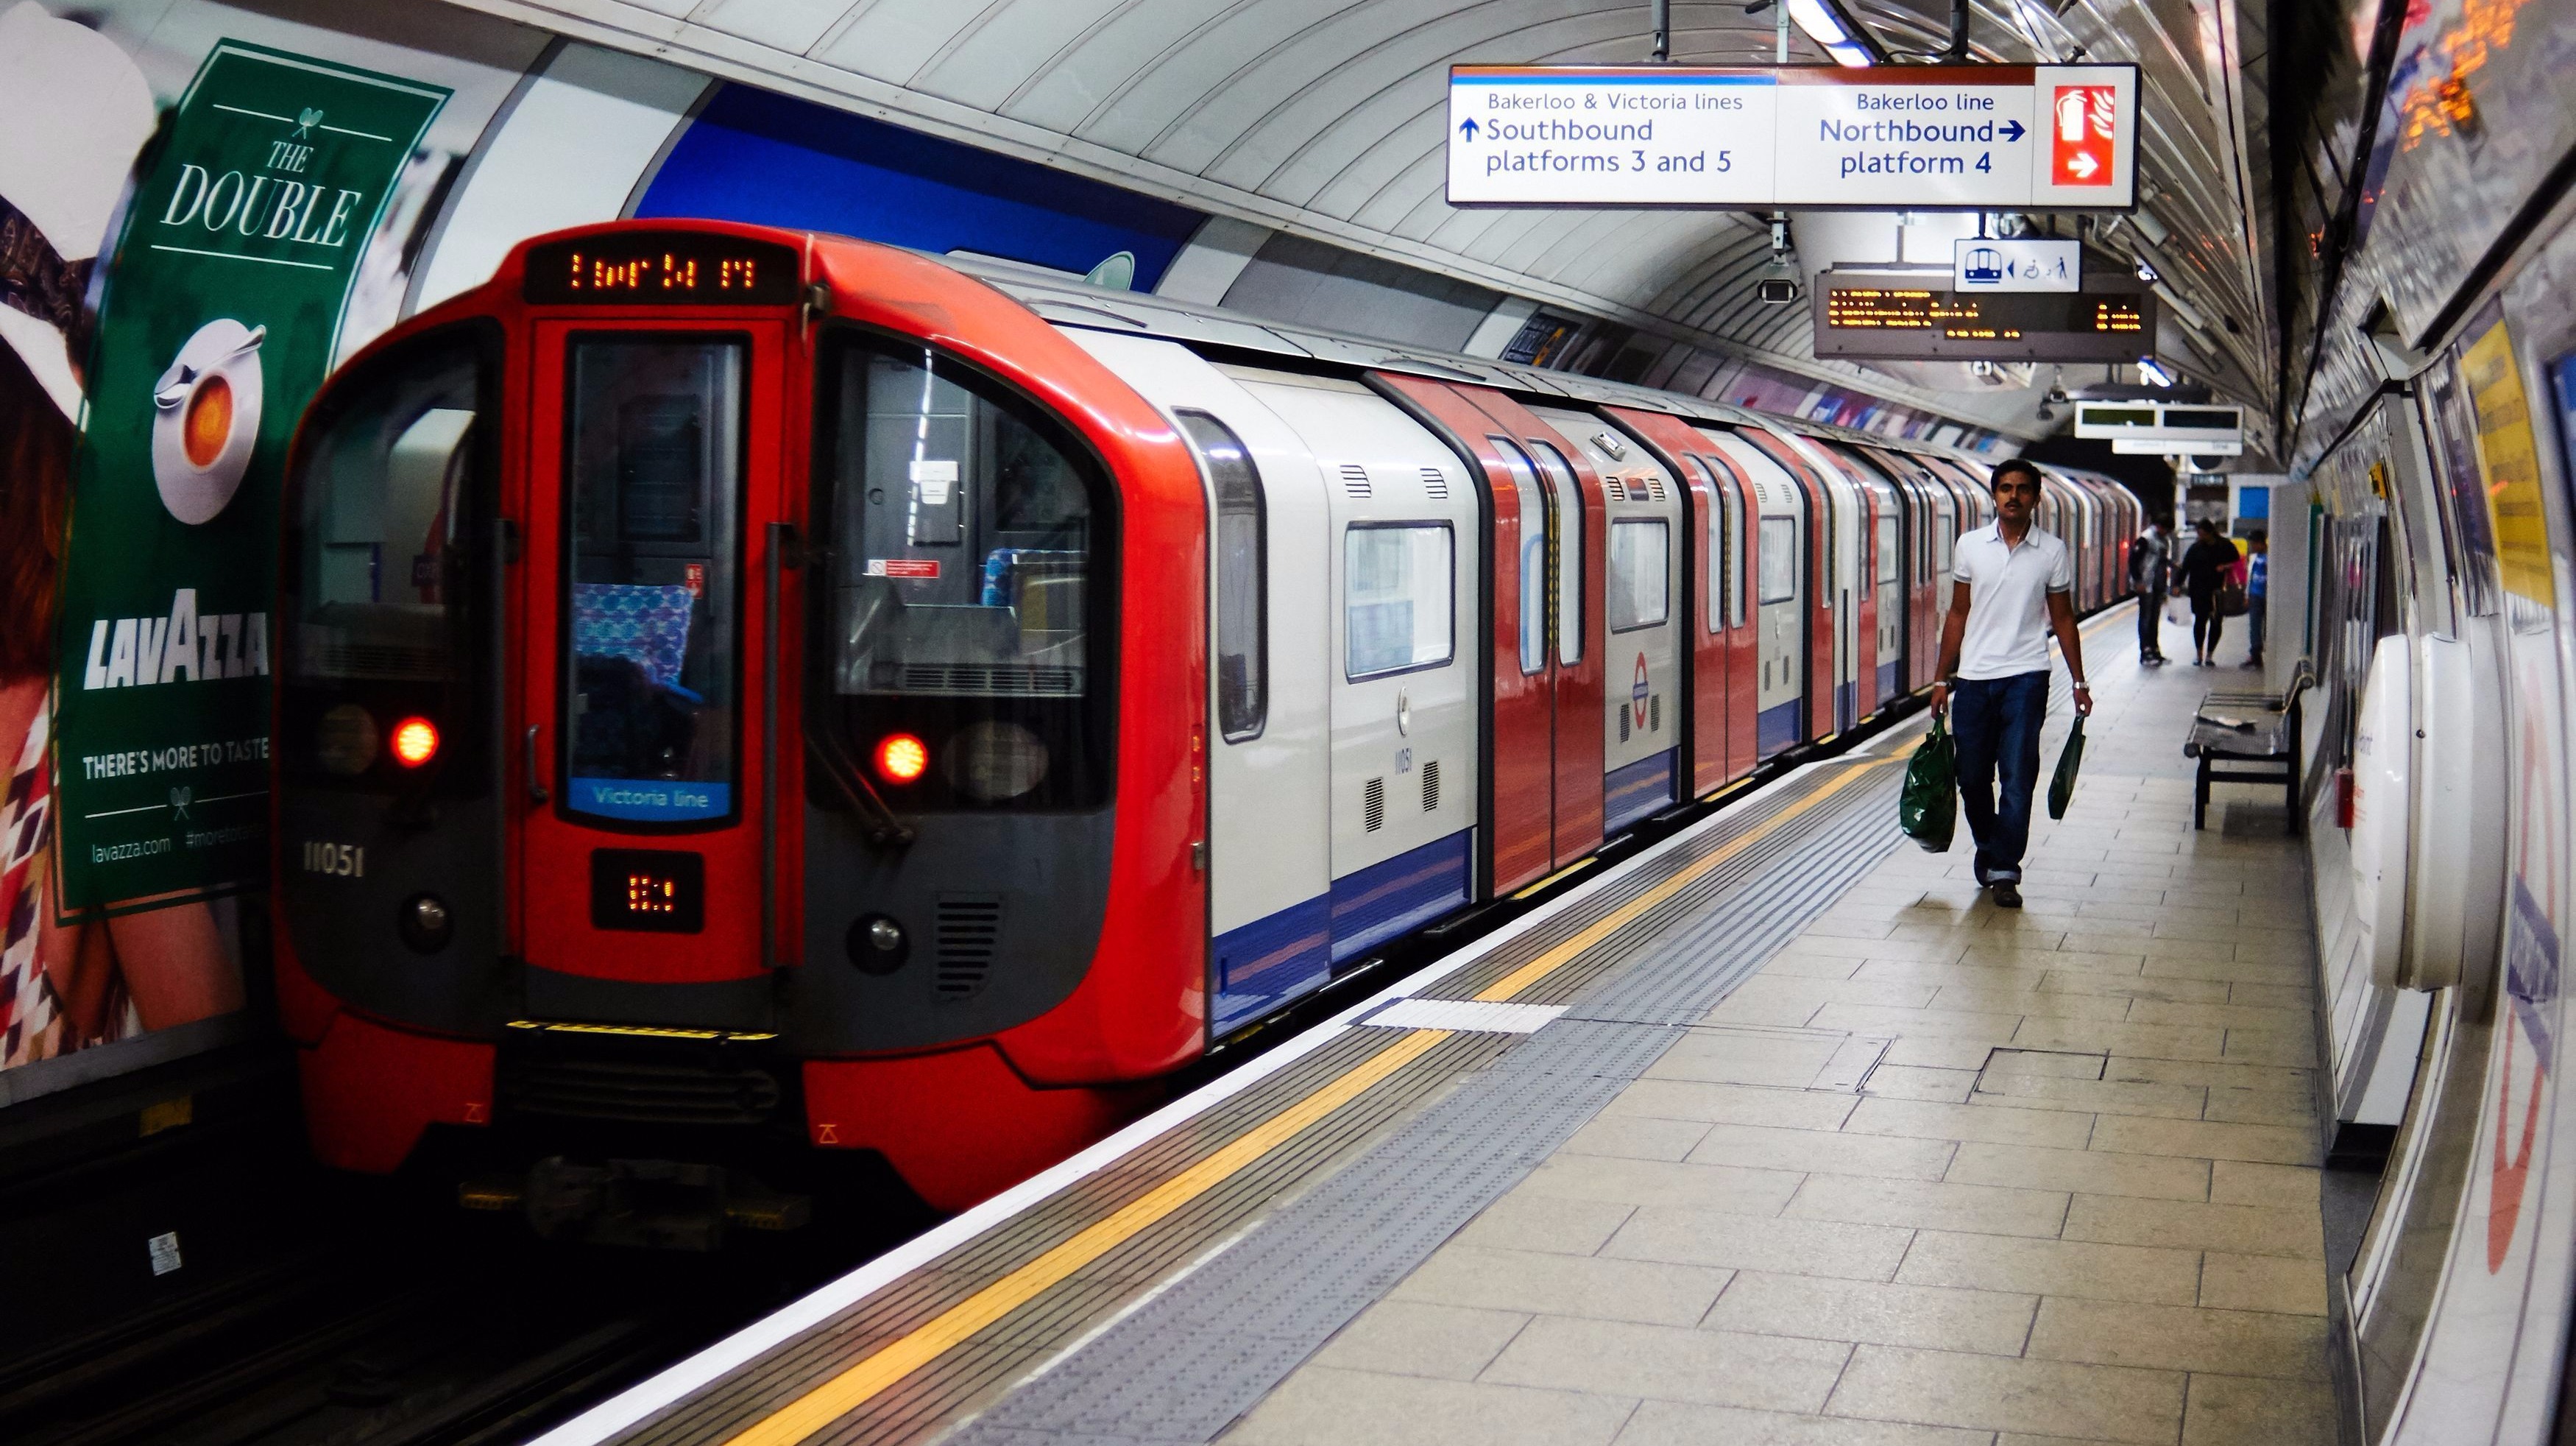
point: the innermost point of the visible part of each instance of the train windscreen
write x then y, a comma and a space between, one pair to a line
961, 523
390, 490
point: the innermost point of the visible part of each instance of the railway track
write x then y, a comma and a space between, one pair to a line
470, 1336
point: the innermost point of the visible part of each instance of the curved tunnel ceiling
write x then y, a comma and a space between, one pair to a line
1326, 118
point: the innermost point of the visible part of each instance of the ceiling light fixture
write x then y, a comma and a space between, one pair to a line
1824, 25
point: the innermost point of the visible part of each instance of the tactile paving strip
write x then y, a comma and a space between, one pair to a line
1194, 1358
929, 1398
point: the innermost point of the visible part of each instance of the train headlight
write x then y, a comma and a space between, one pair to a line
425, 923
415, 741
877, 944
345, 743
993, 761
902, 758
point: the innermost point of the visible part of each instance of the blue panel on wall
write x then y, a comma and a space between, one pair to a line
1632, 792
775, 161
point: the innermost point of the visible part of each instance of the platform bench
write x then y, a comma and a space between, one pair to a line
2242, 737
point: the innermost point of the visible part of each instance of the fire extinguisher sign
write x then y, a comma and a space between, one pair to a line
2084, 122
2091, 115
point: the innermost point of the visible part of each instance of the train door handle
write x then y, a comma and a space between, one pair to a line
536, 790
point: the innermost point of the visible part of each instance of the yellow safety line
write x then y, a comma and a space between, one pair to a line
852, 1388
1539, 968
816, 1409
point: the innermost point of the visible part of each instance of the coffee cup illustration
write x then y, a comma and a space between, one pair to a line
205, 419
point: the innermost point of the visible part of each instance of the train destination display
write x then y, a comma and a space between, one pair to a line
1914, 317
1967, 137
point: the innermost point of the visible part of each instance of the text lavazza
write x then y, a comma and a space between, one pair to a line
1966, 137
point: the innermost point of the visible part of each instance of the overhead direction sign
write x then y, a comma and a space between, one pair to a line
1913, 137
1914, 316
1981, 265
2162, 427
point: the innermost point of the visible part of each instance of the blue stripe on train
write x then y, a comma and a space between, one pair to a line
1271, 961
1632, 792
1268, 962
1775, 728
1886, 683
1407, 891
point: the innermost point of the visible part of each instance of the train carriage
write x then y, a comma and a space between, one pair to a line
795, 700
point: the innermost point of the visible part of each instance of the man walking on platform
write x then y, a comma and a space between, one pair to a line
2151, 577
2013, 585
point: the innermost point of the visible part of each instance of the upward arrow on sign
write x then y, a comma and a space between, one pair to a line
1467, 128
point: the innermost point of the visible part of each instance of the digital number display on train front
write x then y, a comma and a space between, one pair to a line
651, 891
686, 269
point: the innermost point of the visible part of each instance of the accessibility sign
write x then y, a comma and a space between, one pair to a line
1917, 137
1979, 264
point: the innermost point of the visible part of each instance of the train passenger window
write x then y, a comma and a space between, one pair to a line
389, 498
1779, 559
653, 473
1242, 581
1889, 549
965, 540
1533, 560
1640, 573
1568, 556
1398, 582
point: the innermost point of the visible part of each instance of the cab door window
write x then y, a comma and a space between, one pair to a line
654, 477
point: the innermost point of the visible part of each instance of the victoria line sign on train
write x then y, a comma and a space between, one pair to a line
1928, 137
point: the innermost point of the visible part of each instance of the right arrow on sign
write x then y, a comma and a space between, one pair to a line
2014, 130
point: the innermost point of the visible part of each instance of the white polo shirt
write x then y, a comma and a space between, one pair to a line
2008, 590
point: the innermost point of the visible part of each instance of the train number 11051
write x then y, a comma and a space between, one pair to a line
349, 861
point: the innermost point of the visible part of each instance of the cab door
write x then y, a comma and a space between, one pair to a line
655, 471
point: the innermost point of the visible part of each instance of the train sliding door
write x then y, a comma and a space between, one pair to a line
1402, 559
1777, 525
1716, 634
1644, 681
639, 709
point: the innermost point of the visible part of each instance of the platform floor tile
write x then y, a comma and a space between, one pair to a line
1937, 1175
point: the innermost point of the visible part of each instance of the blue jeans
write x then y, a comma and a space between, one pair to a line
2254, 621
1996, 722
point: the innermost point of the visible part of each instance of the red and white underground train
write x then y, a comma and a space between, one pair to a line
749, 694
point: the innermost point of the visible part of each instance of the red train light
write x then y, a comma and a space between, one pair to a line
415, 742
902, 758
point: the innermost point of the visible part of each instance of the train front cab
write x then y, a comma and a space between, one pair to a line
611, 631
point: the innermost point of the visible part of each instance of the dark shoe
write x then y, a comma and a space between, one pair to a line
2007, 894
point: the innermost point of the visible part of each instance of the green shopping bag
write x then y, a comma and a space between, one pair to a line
2070, 760
1927, 808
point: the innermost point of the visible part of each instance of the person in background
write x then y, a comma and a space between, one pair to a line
2151, 577
2205, 566
2012, 586
2258, 567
